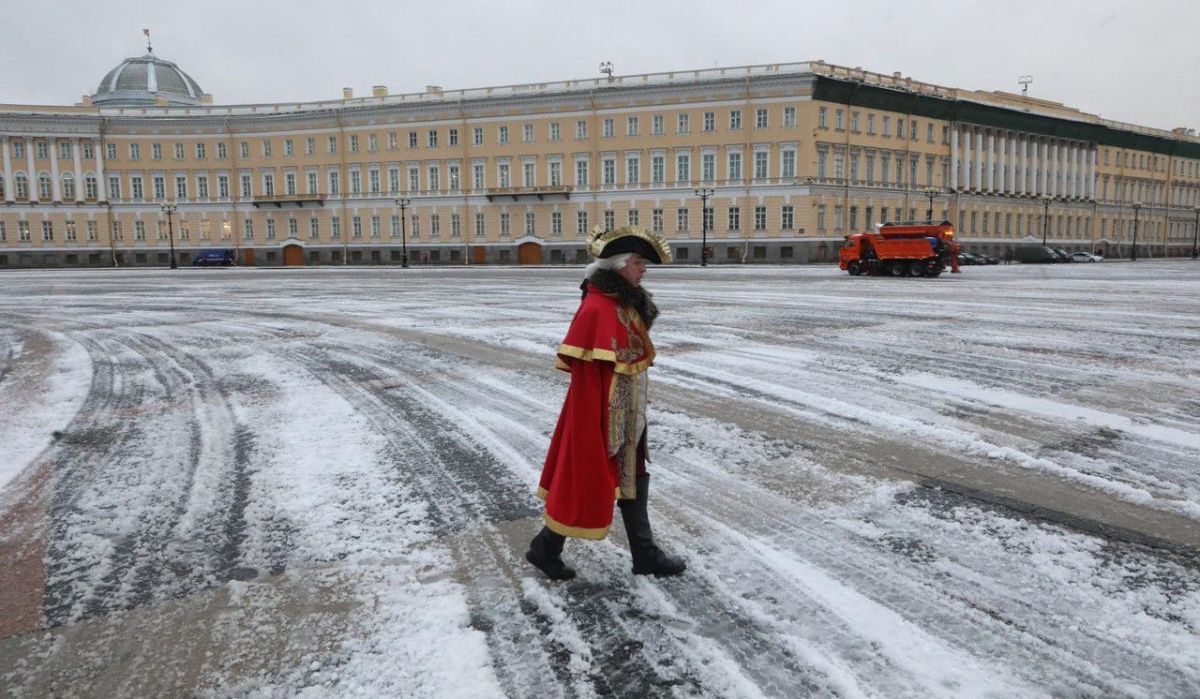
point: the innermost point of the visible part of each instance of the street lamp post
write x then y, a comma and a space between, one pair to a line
1133, 254
1046, 199
704, 193
403, 203
169, 210
1196, 234
930, 192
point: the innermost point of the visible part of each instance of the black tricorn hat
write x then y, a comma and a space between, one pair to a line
629, 239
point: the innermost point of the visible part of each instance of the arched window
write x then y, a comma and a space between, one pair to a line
21, 182
68, 186
44, 191
90, 186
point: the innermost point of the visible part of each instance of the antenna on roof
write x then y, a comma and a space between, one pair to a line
607, 69
1025, 80
149, 48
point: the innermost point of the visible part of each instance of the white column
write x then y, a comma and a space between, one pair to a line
77, 145
991, 161
1091, 176
1023, 185
1052, 190
9, 189
1001, 162
1034, 171
979, 160
954, 159
31, 173
54, 183
101, 184
1012, 169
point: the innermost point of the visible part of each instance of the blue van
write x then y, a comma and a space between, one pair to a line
216, 257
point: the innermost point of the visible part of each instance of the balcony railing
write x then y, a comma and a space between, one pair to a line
540, 191
278, 200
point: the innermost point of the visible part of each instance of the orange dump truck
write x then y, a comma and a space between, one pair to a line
918, 250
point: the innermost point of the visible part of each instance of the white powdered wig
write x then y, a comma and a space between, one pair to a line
610, 263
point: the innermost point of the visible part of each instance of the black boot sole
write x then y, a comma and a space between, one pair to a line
564, 574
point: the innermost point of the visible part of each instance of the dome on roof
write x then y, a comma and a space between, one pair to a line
140, 81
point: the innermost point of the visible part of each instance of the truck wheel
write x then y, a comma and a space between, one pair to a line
897, 269
854, 268
916, 268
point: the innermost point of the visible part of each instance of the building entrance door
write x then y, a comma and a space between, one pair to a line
248, 257
529, 254
293, 256
479, 255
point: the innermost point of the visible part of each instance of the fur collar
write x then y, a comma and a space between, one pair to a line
635, 297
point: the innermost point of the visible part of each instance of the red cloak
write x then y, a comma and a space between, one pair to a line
580, 479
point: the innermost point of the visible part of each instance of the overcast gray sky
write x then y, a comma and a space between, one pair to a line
1130, 61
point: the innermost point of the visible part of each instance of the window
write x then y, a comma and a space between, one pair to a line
581, 173
201, 151
332, 144
110, 150
269, 184
21, 186
156, 151
270, 229
708, 166
529, 223
681, 220
656, 220
555, 132
414, 179
632, 217
135, 186
899, 128
480, 230
454, 178
760, 118
631, 126
853, 218
477, 181
912, 131
412, 139
821, 211
47, 231
871, 124
609, 171
289, 147
179, 151
375, 227
135, 151
314, 227
787, 163
789, 116
710, 121
581, 222
854, 121
839, 122
683, 123
335, 227
160, 187
68, 186
735, 119
929, 133
433, 137
735, 218
658, 168
435, 178
312, 182
735, 166
760, 164
353, 144
760, 218
823, 118
527, 133
633, 166
606, 128
452, 137
91, 187
139, 230
683, 168
310, 145
656, 125
355, 227
334, 182
202, 186
266, 151
887, 126
372, 142
355, 182
505, 225
505, 175
787, 217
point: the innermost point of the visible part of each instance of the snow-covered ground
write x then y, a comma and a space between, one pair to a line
268, 482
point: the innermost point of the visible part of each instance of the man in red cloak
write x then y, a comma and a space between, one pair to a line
598, 452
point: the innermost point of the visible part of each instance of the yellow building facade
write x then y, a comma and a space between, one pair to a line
788, 157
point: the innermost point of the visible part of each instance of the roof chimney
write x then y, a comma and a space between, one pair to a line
379, 91
347, 93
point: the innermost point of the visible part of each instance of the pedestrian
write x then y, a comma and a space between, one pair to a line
598, 451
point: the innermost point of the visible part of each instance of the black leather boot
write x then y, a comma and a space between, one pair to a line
545, 553
647, 558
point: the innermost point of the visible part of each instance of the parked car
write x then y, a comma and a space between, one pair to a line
1035, 253
216, 257
986, 259
1063, 255
1086, 257
966, 258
